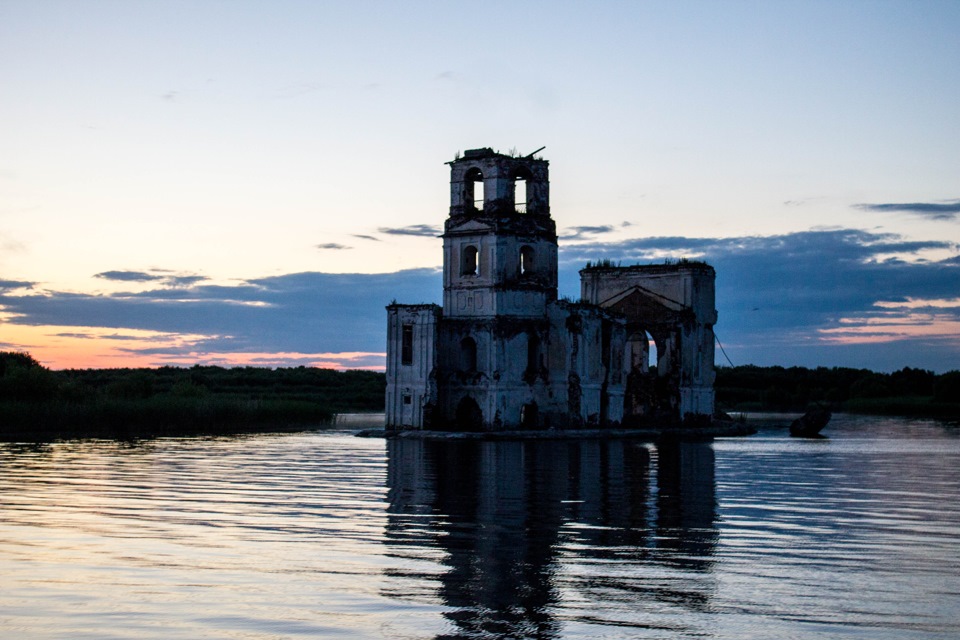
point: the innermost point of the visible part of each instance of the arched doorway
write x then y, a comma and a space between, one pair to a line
469, 416
642, 352
640, 395
529, 416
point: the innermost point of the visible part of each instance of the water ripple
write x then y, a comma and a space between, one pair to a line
326, 535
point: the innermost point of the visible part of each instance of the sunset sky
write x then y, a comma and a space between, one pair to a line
246, 182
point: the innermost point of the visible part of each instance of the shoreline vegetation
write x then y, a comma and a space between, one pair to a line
38, 404
912, 393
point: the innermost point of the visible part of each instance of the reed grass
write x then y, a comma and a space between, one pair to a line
36, 421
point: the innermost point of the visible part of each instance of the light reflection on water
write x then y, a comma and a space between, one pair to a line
551, 538
326, 535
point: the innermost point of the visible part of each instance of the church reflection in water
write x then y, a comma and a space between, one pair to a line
510, 534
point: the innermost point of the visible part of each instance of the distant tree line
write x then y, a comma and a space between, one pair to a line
913, 392
37, 403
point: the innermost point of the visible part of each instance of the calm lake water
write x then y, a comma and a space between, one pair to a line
323, 534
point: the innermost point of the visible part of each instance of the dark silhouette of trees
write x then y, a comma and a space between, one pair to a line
907, 391
39, 404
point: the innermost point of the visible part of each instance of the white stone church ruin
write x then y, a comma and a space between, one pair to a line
504, 353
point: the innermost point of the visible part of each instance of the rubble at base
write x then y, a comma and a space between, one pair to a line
724, 430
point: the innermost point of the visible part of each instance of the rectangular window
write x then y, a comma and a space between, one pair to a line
406, 345
407, 399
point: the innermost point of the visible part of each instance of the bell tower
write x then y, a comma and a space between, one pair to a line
499, 242
502, 352
499, 278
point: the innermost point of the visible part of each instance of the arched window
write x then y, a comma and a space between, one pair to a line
653, 353
520, 179
470, 261
468, 354
526, 260
473, 189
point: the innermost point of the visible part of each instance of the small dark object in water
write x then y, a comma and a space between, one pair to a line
809, 424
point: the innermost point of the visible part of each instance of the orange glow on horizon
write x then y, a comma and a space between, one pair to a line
98, 348
917, 303
892, 328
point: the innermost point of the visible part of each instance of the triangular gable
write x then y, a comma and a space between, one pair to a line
650, 297
647, 309
470, 226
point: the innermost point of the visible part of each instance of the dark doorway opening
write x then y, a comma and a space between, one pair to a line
469, 416
529, 416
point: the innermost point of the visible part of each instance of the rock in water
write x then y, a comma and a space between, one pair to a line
810, 423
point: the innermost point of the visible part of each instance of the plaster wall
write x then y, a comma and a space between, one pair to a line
503, 352
411, 386
495, 284
676, 305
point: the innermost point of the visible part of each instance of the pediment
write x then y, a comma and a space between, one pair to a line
470, 226
637, 303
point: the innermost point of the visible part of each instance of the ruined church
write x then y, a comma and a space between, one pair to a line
503, 352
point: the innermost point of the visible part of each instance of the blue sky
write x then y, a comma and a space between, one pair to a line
252, 182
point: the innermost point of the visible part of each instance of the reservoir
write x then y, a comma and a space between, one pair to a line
324, 535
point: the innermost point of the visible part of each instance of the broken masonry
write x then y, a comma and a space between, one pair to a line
504, 353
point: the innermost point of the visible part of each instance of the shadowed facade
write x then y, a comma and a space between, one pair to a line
503, 352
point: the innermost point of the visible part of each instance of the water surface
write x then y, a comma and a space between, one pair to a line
323, 534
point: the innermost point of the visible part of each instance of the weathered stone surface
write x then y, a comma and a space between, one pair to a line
503, 353
674, 306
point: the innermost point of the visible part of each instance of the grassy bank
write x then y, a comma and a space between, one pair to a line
153, 417
37, 404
